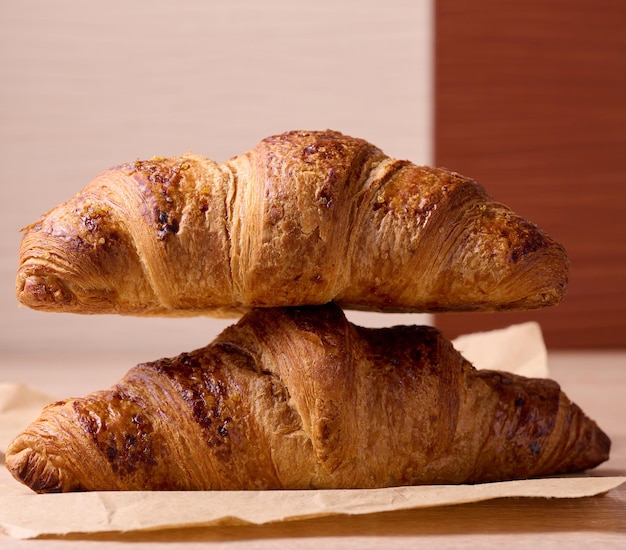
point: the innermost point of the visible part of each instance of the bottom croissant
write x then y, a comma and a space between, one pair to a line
301, 398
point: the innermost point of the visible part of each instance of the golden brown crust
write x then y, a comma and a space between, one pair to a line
301, 398
303, 218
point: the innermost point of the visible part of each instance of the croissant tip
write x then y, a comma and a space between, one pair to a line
32, 467
592, 446
37, 291
548, 277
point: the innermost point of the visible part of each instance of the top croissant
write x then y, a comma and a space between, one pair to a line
304, 218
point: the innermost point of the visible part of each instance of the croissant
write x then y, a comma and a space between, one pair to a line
301, 398
304, 218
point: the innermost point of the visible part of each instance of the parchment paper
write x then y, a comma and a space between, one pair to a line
23, 514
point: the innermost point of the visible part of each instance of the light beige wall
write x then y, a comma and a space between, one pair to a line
88, 85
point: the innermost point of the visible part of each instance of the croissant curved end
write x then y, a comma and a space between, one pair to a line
38, 291
512, 258
544, 277
59, 271
48, 291
31, 466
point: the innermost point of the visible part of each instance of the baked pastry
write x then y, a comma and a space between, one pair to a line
296, 398
304, 218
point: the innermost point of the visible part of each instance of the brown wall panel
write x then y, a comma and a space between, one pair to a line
531, 101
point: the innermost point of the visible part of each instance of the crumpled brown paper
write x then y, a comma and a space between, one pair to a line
28, 516
23, 514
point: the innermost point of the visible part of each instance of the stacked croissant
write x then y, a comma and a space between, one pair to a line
293, 395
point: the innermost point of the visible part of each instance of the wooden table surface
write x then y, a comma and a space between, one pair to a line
596, 381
